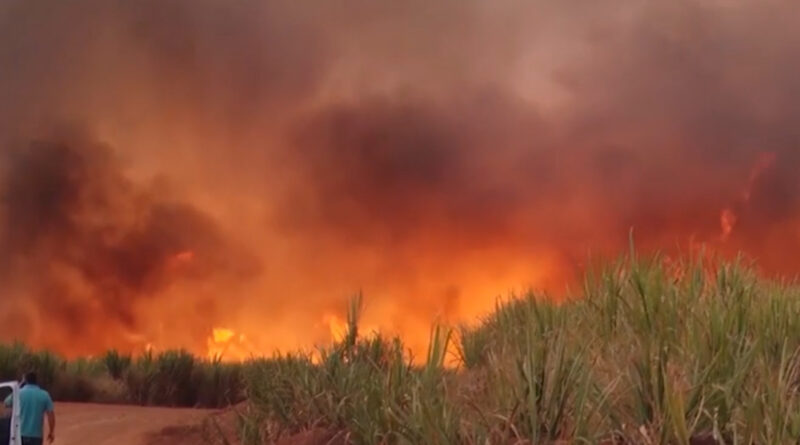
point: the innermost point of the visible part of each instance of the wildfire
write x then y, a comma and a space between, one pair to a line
233, 222
336, 326
222, 335
226, 344
727, 222
728, 217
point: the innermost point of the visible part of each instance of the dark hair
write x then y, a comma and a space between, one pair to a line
31, 378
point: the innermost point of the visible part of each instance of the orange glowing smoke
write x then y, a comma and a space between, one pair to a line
183, 257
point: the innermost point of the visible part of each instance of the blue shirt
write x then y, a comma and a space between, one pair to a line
33, 403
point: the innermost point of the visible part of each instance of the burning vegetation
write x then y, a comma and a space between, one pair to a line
223, 178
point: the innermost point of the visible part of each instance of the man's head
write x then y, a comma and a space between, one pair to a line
30, 378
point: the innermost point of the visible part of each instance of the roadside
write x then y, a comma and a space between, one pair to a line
79, 424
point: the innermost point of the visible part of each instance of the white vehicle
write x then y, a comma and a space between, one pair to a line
9, 422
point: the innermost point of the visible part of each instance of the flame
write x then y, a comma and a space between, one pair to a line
727, 222
222, 335
729, 218
224, 343
336, 326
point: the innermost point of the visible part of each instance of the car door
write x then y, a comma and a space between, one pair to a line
10, 428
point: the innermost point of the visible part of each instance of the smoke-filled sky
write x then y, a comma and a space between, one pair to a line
172, 166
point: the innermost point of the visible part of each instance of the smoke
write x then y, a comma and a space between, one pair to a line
252, 163
85, 244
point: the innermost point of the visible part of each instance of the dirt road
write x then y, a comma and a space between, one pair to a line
81, 424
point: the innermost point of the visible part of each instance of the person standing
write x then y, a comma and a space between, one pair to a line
34, 404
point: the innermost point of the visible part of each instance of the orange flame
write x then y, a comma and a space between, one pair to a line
728, 217
222, 335
224, 343
727, 222
336, 326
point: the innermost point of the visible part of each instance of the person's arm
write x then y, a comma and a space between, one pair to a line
51, 422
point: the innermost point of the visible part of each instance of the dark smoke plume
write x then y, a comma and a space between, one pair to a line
88, 243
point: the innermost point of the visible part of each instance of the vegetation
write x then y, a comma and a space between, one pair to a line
653, 352
170, 378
